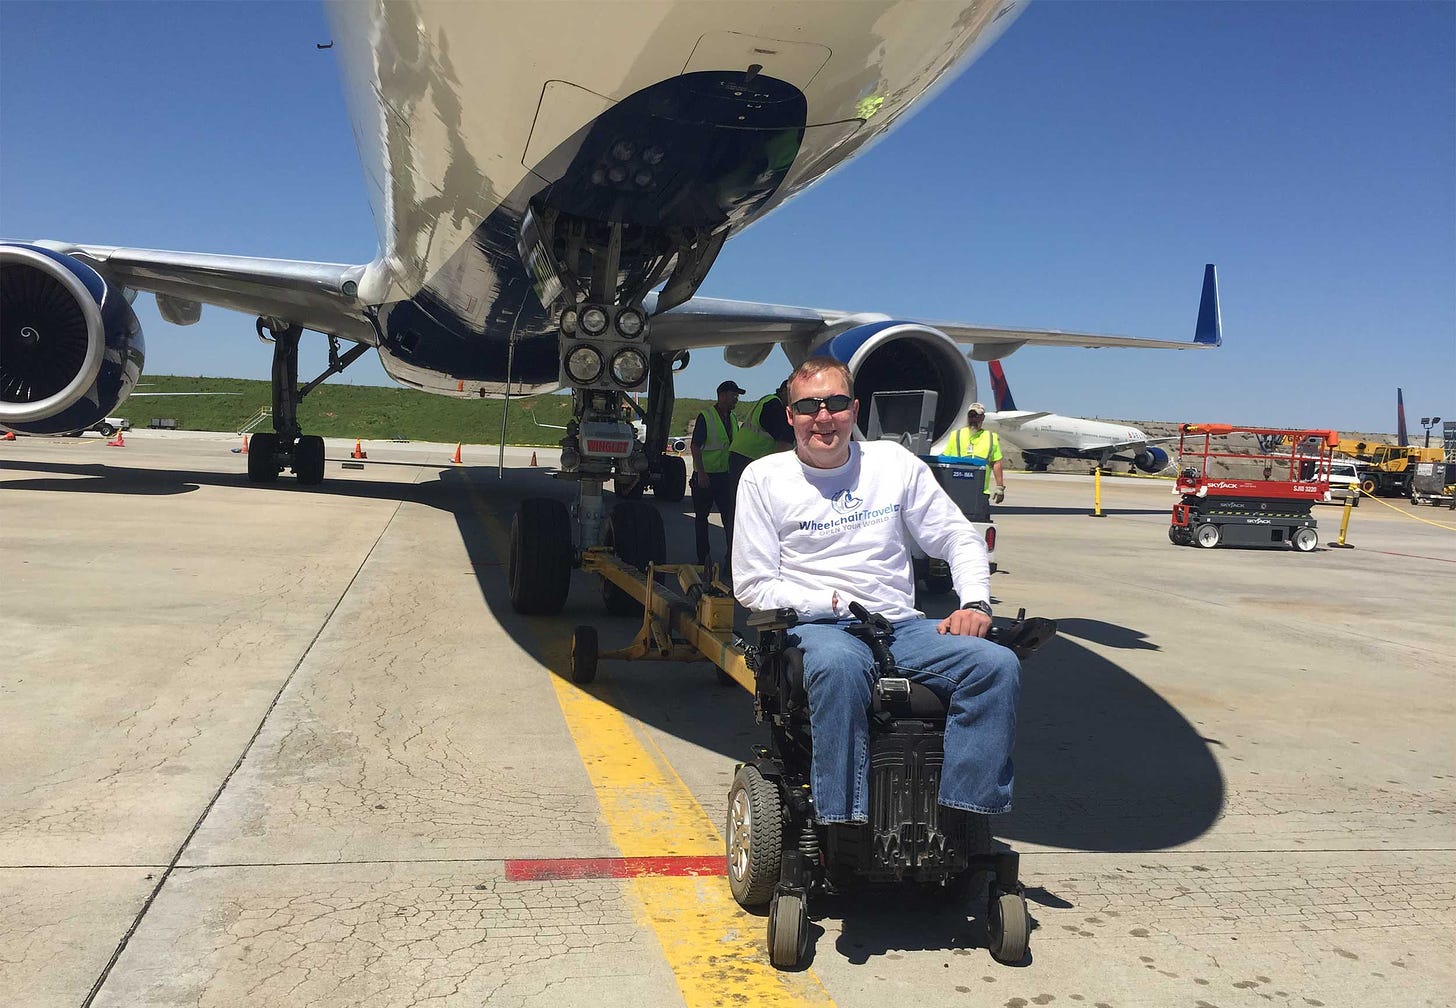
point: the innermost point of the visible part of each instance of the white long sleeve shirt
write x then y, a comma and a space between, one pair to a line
814, 540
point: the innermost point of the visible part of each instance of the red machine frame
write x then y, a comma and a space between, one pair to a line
1275, 510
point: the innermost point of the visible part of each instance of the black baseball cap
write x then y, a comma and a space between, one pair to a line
729, 386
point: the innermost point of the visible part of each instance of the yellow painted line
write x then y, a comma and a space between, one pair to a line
716, 951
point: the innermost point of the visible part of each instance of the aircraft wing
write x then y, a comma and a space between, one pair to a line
751, 330
711, 322
318, 296
1019, 419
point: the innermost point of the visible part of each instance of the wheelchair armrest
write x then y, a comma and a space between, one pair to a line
773, 619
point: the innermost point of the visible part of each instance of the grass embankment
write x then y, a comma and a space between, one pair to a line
363, 411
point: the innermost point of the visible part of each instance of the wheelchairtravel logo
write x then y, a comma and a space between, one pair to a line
849, 508
845, 502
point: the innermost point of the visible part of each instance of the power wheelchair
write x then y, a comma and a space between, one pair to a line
778, 854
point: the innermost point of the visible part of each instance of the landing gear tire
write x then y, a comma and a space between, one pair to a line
755, 837
788, 930
583, 654
308, 460
635, 533
671, 484
1207, 536
262, 461
1305, 540
540, 559
1009, 927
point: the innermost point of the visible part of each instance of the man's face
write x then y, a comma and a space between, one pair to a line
823, 438
727, 399
974, 419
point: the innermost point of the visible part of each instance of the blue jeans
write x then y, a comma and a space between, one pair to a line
980, 681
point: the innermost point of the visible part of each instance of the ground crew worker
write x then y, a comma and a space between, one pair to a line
764, 431
712, 481
974, 443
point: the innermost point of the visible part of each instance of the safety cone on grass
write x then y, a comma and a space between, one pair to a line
533, 458
358, 450
456, 459
117, 442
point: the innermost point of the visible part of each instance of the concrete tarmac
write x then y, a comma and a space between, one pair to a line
291, 746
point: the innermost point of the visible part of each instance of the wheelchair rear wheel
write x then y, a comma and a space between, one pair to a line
755, 837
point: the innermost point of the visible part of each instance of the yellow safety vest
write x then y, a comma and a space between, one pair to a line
966, 443
717, 439
751, 440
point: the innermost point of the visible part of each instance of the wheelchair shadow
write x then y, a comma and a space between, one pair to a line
880, 921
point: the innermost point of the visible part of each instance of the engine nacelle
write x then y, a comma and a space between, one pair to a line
71, 349
891, 356
1151, 460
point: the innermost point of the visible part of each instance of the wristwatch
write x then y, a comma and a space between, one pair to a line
984, 607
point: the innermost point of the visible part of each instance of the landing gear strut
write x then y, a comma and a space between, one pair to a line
597, 273
287, 447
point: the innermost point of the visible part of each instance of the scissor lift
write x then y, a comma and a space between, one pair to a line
1233, 510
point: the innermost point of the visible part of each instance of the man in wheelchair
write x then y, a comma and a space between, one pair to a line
823, 538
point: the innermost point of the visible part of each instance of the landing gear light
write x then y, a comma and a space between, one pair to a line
584, 364
629, 368
594, 321
630, 323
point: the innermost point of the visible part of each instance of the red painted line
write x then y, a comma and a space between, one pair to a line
547, 869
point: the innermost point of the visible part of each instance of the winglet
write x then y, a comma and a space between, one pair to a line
1210, 323
1000, 388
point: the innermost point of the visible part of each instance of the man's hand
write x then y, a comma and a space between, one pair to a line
998, 495
965, 623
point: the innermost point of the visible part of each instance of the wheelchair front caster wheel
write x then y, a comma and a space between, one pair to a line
584, 654
1009, 926
788, 930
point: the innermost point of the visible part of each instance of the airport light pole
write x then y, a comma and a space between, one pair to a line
1428, 423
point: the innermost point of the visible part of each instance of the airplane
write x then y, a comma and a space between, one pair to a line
1041, 436
549, 193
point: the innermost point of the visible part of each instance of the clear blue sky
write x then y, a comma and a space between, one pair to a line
1078, 176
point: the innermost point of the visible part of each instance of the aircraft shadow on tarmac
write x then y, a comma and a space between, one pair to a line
1103, 763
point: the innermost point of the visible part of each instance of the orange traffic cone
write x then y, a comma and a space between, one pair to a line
533, 458
358, 450
117, 442
9, 436
456, 459
245, 444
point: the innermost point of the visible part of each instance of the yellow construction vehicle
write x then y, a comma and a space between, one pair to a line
1386, 470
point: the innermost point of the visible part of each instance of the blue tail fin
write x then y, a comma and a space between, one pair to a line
1210, 323
1000, 389
1401, 437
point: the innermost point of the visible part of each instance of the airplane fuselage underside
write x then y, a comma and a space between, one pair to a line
691, 121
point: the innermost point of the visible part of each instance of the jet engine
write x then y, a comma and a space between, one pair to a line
1151, 460
71, 349
891, 356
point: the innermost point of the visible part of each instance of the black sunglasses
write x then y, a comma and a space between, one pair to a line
812, 406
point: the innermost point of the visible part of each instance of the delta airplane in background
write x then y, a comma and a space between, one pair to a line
550, 187
1041, 437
